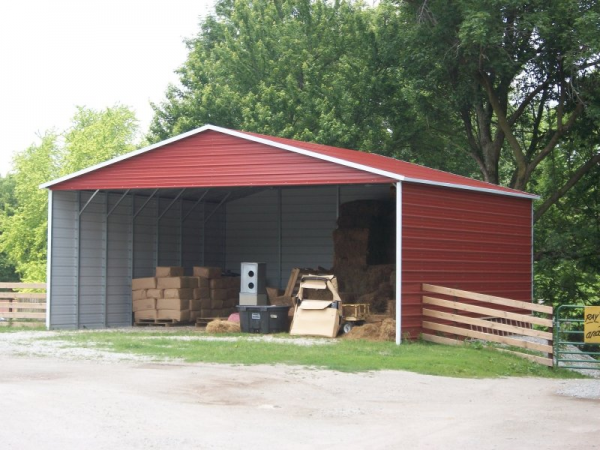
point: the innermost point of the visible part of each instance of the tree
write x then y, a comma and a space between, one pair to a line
518, 76
7, 206
93, 137
302, 69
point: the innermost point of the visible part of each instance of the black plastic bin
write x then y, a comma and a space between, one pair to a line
264, 319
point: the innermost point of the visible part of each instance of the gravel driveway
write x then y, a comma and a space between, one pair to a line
91, 401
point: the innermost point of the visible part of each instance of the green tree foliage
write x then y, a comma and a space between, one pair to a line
518, 75
7, 206
93, 137
567, 268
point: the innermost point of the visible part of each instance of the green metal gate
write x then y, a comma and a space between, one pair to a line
570, 351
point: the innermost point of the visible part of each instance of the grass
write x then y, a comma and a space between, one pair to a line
342, 355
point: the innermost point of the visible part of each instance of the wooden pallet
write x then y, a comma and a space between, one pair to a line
203, 321
157, 323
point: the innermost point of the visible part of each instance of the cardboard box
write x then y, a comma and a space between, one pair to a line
233, 292
144, 304
216, 304
138, 295
194, 315
174, 314
230, 302
172, 303
195, 305
205, 303
146, 314
203, 282
179, 293
273, 293
225, 283
219, 294
169, 271
155, 293
206, 313
143, 283
201, 292
177, 282
207, 272
316, 318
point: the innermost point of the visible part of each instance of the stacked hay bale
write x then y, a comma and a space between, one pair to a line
217, 295
364, 252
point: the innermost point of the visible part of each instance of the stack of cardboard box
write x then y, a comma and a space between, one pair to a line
168, 296
217, 295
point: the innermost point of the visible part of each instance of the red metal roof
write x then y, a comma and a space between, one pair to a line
217, 157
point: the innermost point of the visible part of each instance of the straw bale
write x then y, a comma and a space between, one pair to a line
387, 330
369, 331
222, 326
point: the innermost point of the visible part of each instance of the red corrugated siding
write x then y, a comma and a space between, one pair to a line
212, 159
396, 166
462, 239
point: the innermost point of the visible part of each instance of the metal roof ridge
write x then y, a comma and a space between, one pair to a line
295, 149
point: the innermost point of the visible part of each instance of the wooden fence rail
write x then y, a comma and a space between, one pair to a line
16, 306
476, 316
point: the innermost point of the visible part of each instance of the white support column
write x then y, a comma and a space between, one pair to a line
49, 262
398, 263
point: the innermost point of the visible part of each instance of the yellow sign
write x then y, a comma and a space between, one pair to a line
591, 325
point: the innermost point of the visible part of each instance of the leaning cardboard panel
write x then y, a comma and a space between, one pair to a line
316, 318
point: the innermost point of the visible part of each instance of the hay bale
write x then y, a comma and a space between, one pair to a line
387, 330
222, 326
383, 331
369, 332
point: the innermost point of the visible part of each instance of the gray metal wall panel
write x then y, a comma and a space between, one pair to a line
309, 216
215, 235
92, 257
63, 308
169, 233
308, 221
369, 192
193, 236
253, 233
144, 239
118, 286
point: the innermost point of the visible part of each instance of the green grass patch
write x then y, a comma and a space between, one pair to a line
343, 355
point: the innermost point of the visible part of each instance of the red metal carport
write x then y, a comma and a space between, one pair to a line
451, 230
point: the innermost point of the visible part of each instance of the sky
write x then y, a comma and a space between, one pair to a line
59, 54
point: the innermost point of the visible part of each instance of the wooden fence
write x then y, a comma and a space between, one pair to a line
476, 316
16, 306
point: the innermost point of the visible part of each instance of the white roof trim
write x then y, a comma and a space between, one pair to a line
281, 146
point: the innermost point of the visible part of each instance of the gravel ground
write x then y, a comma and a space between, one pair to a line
73, 398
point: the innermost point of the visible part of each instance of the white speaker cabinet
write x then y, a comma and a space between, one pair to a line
254, 278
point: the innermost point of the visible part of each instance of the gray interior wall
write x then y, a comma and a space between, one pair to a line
91, 276
118, 269
169, 233
63, 259
144, 237
192, 251
214, 234
289, 227
95, 255
92, 261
